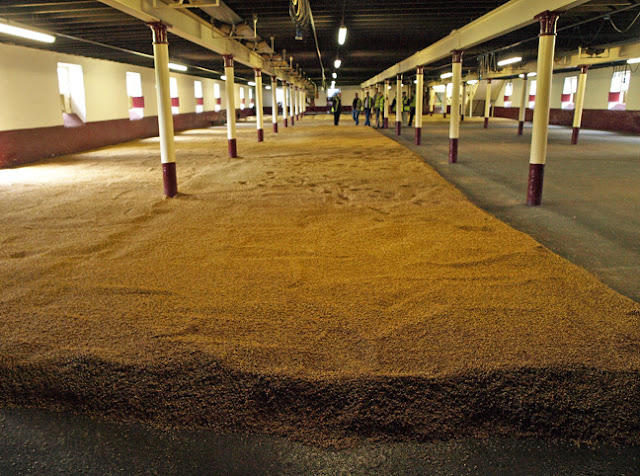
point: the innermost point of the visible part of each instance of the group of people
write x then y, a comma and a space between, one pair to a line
372, 106
408, 108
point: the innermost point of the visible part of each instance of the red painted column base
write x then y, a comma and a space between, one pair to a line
286, 122
418, 135
462, 118
260, 135
520, 127
233, 150
292, 121
534, 186
574, 135
170, 180
275, 127
398, 128
486, 122
386, 123
453, 151
444, 116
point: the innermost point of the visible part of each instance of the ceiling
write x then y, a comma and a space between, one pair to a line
380, 32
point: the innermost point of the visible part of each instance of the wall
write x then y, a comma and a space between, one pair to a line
32, 126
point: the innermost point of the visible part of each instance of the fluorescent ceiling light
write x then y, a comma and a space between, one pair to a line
530, 75
472, 81
334, 75
177, 67
388, 87
633, 60
223, 77
515, 59
251, 83
342, 35
446, 75
25, 33
267, 87
521, 76
415, 81
337, 63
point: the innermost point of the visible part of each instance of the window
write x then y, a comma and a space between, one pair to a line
241, 97
508, 92
72, 98
449, 90
216, 95
618, 90
532, 94
280, 97
175, 99
568, 92
197, 89
136, 99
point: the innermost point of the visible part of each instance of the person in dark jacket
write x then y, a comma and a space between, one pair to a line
336, 108
356, 107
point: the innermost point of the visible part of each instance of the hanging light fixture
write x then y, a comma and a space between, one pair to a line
446, 75
515, 59
342, 34
25, 33
337, 63
177, 67
334, 75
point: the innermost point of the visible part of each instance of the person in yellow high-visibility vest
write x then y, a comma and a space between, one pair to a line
406, 107
379, 110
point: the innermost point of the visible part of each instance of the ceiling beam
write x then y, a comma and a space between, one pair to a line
196, 30
509, 17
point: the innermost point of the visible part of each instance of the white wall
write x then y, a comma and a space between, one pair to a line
30, 96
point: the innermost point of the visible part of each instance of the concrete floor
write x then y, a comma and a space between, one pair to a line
37, 442
590, 211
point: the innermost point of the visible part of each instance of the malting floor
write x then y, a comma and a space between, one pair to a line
326, 285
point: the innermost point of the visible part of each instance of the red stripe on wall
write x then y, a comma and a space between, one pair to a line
614, 97
137, 102
200, 101
597, 119
175, 102
565, 98
22, 146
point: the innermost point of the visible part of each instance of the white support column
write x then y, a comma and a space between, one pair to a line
463, 103
385, 106
259, 105
579, 102
296, 102
304, 102
291, 105
231, 105
285, 103
165, 117
454, 124
398, 104
540, 131
487, 105
274, 103
432, 100
419, 102
523, 104
471, 98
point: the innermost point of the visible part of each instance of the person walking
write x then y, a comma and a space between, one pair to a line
368, 105
379, 107
356, 107
336, 108
406, 106
412, 108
